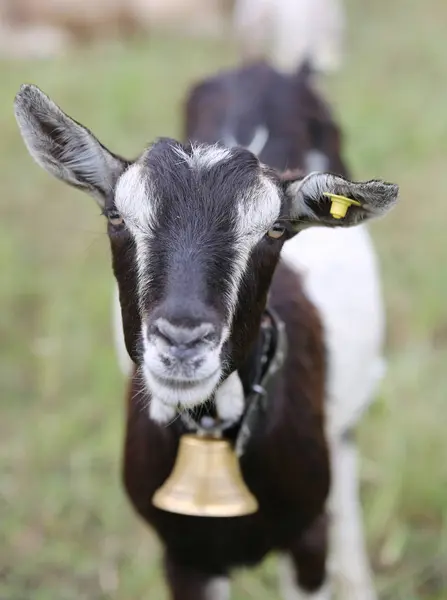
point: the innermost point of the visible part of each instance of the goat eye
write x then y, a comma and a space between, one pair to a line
115, 219
276, 231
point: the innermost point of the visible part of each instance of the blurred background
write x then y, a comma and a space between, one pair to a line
123, 68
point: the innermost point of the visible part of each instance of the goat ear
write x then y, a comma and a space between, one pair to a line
310, 204
63, 147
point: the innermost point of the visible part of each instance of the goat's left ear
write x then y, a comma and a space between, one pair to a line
310, 204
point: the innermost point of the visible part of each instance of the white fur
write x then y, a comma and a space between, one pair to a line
340, 276
256, 215
203, 156
311, 187
348, 557
230, 398
288, 32
259, 140
160, 412
290, 590
134, 199
177, 397
136, 202
257, 144
218, 588
125, 362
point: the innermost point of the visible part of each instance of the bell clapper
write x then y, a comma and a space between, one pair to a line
340, 204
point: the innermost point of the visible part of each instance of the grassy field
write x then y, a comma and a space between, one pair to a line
67, 531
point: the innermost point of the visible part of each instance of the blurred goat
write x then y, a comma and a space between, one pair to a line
288, 125
282, 119
196, 234
290, 32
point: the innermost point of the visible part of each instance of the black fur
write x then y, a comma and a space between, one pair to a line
236, 101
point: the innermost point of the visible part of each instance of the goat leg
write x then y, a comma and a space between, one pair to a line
302, 569
186, 583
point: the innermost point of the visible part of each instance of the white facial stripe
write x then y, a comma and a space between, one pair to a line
136, 202
255, 217
143, 259
124, 360
203, 157
134, 198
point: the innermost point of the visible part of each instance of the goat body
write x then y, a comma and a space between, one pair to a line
337, 267
285, 465
335, 329
197, 232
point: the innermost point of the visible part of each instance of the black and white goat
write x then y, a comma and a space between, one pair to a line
283, 120
196, 234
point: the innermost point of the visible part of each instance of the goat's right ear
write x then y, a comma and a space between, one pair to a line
63, 147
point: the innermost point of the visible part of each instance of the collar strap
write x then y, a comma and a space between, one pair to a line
257, 399
270, 363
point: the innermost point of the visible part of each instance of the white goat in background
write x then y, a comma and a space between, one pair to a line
287, 32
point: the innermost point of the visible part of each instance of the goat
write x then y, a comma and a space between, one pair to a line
289, 32
281, 118
196, 233
299, 132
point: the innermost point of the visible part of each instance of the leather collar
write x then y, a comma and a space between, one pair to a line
269, 363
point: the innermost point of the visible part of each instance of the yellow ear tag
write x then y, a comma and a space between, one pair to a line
340, 205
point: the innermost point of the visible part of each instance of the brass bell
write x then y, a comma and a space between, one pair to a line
206, 481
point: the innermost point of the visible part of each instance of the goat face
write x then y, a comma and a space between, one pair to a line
203, 224
196, 233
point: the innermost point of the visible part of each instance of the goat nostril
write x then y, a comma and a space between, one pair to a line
209, 338
163, 336
154, 330
182, 339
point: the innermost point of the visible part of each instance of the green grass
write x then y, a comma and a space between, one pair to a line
67, 530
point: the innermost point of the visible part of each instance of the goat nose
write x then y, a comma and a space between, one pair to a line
183, 341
